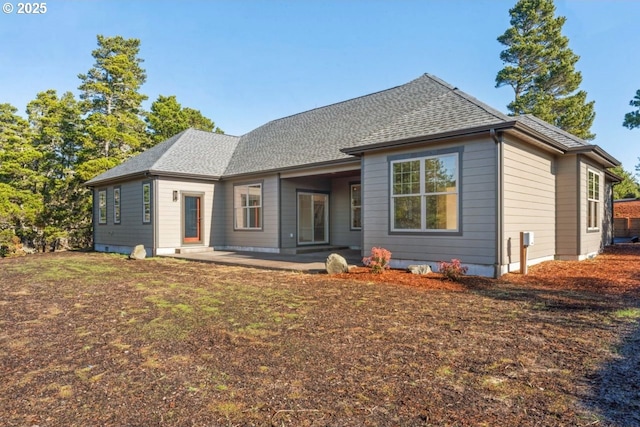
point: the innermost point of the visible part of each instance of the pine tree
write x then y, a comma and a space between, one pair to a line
112, 102
541, 69
20, 182
58, 134
632, 119
628, 187
167, 118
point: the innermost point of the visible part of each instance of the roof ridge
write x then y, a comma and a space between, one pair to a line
174, 140
339, 102
486, 107
209, 132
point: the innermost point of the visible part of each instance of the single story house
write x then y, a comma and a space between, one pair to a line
422, 169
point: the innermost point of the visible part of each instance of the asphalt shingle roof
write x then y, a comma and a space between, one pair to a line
191, 152
551, 131
424, 107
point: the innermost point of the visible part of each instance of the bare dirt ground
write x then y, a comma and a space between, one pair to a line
91, 339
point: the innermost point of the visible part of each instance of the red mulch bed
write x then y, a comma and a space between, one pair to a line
615, 271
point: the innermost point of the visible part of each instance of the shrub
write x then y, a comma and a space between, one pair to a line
378, 261
452, 270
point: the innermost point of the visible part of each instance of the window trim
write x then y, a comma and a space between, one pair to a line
260, 206
351, 206
146, 210
421, 156
593, 201
117, 205
102, 207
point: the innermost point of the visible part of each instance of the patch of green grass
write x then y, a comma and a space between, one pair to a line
628, 313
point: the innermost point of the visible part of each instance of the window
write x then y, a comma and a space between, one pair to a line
424, 193
356, 207
593, 201
146, 202
247, 204
102, 207
116, 205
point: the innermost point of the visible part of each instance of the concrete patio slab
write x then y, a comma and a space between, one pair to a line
313, 262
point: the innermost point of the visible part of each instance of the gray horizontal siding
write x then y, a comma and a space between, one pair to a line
567, 218
131, 231
267, 238
529, 199
475, 245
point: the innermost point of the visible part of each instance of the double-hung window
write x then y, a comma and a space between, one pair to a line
424, 193
593, 200
247, 204
102, 207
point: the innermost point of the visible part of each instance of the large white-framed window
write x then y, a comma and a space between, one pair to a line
146, 202
356, 206
593, 200
247, 206
425, 193
116, 205
102, 206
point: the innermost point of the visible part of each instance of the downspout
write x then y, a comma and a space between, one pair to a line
499, 201
362, 206
156, 218
612, 229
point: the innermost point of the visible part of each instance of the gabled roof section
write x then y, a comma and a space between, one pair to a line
193, 153
423, 106
425, 109
447, 110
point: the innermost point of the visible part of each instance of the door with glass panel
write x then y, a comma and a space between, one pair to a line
313, 218
192, 219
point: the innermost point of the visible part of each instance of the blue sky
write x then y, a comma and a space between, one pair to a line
245, 62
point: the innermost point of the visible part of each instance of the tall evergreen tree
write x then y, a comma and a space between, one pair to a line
632, 119
112, 101
20, 182
628, 187
167, 118
541, 69
58, 134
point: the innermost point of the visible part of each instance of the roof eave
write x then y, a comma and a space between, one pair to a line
521, 129
597, 154
150, 173
436, 137
201, 177
106, 181
346, 160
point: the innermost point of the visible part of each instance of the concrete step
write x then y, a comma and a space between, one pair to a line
194, 249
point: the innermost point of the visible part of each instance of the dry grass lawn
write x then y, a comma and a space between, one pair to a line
90, 339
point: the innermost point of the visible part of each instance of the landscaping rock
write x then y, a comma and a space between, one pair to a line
138, 252
336, 264
419, 269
